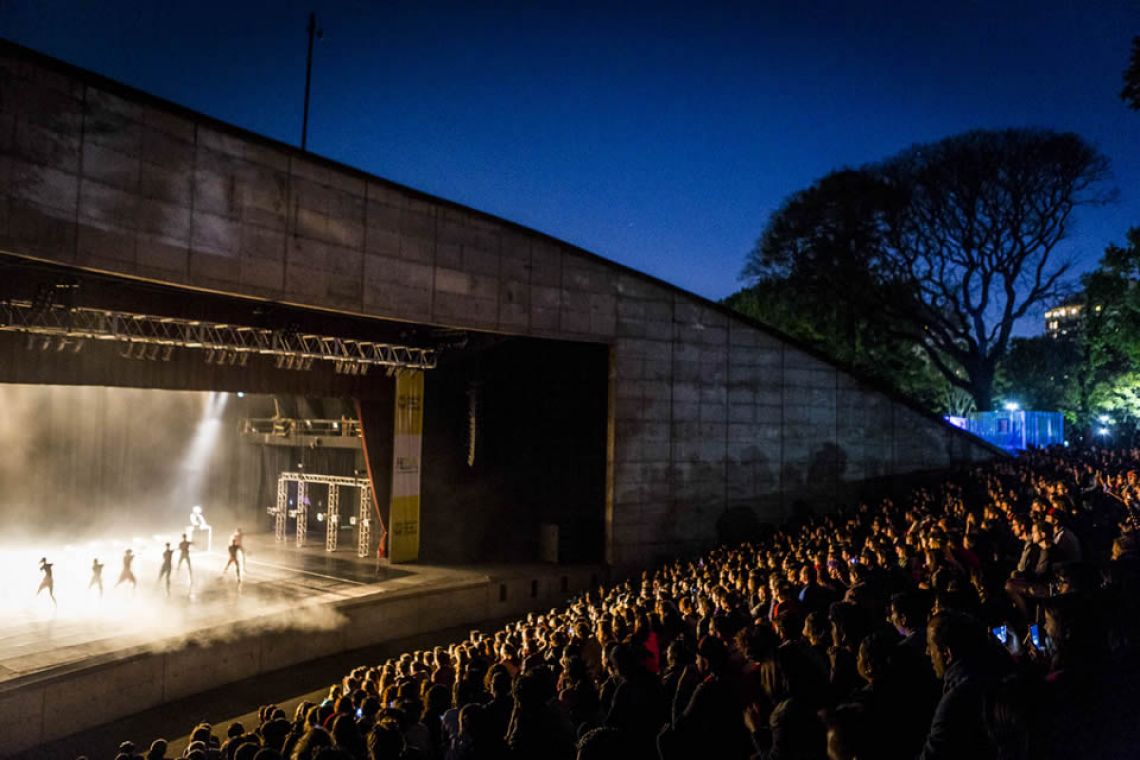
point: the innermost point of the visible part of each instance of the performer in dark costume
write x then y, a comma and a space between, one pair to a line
167, 562
237, 555
96, 575
127, 574
184, 555
48, 582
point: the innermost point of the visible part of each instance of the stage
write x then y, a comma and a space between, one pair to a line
36, 636
91, 660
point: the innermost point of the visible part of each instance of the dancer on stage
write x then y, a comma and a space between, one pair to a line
167, 562
127, 574
48, 582
237, 555
184, 556
96, 575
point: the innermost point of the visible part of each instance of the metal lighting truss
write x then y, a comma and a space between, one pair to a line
153, 337
281, 510
332, 517
302, 513
364, 523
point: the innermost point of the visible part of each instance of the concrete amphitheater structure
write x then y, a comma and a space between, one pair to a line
707, 411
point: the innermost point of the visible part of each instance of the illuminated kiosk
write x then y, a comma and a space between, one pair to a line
1015, 429
363, 519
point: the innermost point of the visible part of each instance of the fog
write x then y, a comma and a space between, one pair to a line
88, 472
85, 462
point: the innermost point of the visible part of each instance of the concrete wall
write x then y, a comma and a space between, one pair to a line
42, 708
708, 411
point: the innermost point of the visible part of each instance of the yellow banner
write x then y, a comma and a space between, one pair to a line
404, 517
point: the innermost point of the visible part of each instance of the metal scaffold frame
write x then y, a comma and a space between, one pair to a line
332, 519
332, 515
281, 513
145, 336
364, 523
302, 514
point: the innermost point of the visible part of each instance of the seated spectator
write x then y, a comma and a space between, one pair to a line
713, 711
957, 645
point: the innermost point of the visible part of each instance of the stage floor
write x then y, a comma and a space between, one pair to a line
82, 628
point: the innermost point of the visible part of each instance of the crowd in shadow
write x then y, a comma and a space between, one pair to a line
994, 615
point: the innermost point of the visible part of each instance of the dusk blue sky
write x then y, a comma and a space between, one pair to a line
659, 136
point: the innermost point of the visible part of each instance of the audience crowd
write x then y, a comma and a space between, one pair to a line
995, 615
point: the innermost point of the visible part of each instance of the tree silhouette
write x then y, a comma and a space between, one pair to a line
816, 274
1131, 92
949, 242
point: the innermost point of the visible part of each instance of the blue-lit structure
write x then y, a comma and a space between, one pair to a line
1015, 429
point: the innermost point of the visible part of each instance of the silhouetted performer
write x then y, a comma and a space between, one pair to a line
167, 562
96, 575
127, 574
184, 555
235, 559
48, 582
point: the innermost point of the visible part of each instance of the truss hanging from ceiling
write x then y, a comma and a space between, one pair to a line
153, 337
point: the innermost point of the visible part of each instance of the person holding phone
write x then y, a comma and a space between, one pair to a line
958, 651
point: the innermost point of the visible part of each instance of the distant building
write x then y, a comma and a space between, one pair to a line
1064, 319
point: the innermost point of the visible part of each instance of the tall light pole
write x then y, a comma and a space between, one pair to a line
314, 33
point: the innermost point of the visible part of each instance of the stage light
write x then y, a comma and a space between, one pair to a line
196, 461
1012, 406
1102, 431
240, 394
1103, 419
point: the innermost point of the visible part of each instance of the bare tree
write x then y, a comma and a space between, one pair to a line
975, 244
